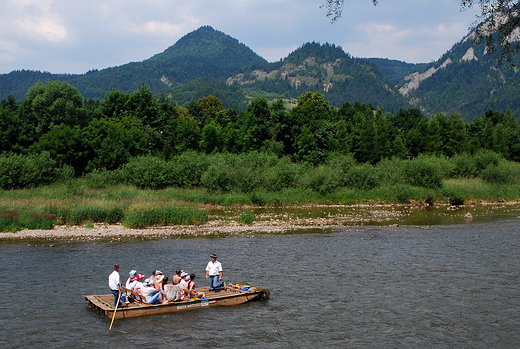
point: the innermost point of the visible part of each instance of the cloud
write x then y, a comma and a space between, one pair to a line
54, 35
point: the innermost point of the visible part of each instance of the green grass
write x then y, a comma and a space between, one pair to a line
74, 203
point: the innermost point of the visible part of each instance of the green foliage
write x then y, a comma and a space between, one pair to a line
84, 213
503, 173
143, 216
320, 179
421, 172
246, 218
98, 179
363, 176
20, 171
485, 158
146, 172
12, 222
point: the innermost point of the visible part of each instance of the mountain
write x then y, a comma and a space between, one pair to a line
203, 53
466, 80
325, 68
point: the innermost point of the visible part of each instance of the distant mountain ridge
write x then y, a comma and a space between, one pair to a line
208, 62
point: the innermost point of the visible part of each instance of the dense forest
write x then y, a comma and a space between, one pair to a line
55, 129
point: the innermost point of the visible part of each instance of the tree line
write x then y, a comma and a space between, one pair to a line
56, 123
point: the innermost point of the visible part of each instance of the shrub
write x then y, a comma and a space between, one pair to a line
364, 177
282, 175
146, 172
217, 179
484, 158
390, 171
20, 171
320, 179
463, 166
505, 173
420, 172
99, 179
187, 169
341, 164
454, 195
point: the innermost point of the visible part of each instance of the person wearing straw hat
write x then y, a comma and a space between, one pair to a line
214, 273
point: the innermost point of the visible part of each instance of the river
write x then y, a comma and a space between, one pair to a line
441, 286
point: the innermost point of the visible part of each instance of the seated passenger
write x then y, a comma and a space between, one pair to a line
153, 278
177, 277
149, 294
173, 292
192, 291
132, 274
183, 281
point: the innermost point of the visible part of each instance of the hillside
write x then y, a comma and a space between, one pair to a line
465, 80
203, 53
206, 62
328, 69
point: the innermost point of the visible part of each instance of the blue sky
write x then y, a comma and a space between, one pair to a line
64, 36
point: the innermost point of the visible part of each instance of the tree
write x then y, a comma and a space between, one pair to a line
496, 25
52, 103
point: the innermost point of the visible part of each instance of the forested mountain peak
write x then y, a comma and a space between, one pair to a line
207, 42
321, 53
325, 68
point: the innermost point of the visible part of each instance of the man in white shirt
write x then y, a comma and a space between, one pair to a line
214, 272
114, 282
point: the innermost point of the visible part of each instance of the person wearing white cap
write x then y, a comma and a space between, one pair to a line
214, 272
183, 281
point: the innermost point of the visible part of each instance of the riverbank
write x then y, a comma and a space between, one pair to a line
272, 220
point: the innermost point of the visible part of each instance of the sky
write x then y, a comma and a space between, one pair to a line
64, 36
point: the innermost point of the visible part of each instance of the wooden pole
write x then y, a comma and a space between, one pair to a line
114, 316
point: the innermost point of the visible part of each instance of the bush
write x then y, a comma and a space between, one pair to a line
505, 173
146, 172
341, 165
420, 172
99, 179
463, 166
20, 171
217, 179
390, 171
454, 195
282, 175
364, 177
484, 158
187, 169
320, 179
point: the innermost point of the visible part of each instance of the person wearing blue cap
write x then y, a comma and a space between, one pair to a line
130, 280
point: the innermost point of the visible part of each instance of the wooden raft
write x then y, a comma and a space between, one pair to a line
103, 304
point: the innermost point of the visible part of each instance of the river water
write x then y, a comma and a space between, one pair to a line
442, 286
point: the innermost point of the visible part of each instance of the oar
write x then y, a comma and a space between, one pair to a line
114, 316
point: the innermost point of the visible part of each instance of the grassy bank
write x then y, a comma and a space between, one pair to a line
76, 203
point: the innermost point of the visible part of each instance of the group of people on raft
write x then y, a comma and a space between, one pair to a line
156, 289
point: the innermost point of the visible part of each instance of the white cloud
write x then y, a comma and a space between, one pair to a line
55, 35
